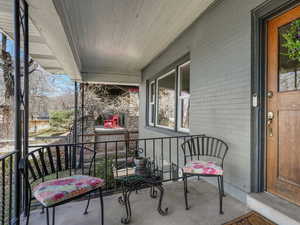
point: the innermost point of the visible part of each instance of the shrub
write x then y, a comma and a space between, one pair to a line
61, 119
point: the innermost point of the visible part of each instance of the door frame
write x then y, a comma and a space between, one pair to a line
259, 16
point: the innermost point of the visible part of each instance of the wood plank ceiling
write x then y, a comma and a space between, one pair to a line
39, 50
123, 36
110, 37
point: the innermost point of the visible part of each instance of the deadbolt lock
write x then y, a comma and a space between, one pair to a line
270, 115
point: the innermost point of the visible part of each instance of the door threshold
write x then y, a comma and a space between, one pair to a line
274, 208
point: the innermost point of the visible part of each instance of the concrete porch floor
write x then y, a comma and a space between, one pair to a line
203, 201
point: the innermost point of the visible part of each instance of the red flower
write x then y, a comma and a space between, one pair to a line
63, 182
198, 166
58, 196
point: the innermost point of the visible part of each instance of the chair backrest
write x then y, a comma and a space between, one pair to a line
115, 117
198, 147
56, 161
115, 121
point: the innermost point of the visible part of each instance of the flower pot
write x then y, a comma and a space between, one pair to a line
140, 163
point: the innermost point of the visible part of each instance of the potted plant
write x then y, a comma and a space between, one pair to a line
292, 41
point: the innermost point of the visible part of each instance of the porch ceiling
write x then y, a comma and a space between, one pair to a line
122, 37
108, 40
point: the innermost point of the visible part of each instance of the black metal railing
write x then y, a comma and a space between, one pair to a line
116, 158
7, 188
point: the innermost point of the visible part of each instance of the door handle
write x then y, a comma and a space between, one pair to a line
269, 123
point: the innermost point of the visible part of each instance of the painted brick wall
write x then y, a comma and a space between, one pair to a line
220, 46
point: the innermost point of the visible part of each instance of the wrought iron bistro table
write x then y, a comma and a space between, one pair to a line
148, 179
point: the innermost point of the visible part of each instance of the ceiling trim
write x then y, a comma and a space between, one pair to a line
109, 78
60, 9
38, 56
46, 19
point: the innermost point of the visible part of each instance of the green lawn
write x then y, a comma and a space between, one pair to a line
48, 132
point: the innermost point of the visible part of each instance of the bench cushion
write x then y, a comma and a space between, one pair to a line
55, 191
202, 168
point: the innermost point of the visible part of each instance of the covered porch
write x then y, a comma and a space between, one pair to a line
200, 69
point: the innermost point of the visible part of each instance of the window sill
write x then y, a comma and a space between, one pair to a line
166, 131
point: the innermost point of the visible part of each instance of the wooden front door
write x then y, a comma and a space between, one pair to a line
283, 107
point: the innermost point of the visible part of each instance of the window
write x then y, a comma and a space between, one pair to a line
166, 97
184, 97
151, 103
169, 99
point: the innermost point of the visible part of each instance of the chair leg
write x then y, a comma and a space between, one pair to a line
222, 183
220, 195
185, 192
28, 211
53, 216
87, 206
47, 216
101, 205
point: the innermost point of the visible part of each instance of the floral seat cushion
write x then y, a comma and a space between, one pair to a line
54, 191
202, 168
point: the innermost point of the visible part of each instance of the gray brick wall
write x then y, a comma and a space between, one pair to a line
220, 46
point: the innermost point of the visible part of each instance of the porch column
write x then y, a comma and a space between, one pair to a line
82, 112
17, 111
75, 112
26, 78
75, 124
25, 101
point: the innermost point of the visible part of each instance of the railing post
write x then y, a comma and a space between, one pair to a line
17, 110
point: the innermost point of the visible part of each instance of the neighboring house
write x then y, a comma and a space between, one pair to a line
117, 100
42, 116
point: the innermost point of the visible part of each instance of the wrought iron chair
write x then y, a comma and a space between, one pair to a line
55, 175
204, 156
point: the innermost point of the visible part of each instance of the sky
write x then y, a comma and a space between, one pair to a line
62, 82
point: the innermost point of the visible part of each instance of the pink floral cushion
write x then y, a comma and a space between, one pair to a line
202, 167
54, 191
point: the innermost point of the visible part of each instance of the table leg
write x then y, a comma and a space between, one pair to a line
153, 192
159, 209
125, 200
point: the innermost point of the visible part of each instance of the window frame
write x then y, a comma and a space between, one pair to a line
150, 103
173, 68
179, 107
173, 71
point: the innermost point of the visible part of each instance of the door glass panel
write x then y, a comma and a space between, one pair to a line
289, 68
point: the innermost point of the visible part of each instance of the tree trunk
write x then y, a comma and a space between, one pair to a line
9, 88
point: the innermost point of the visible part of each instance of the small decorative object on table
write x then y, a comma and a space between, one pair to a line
146, 176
